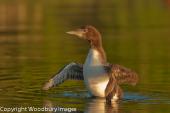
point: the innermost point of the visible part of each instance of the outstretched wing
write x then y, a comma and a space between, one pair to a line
122, 75
118, 75
70, 71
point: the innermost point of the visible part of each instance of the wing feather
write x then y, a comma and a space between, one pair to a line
70, 71
122, 75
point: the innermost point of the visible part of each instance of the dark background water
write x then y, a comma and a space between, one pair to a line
34, 46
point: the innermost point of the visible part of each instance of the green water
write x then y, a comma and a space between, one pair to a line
34, 46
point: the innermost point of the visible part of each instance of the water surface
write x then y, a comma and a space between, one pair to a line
34, 46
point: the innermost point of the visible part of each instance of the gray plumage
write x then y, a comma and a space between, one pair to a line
71, 71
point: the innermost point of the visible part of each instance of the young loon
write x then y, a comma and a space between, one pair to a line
101, 78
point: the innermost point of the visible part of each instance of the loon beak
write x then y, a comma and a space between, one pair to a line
78, 32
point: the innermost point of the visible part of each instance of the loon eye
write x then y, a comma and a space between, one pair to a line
85, 30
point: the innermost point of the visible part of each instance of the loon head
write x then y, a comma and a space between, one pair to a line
89, 33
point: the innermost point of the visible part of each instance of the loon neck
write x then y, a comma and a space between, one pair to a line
101, 52
95, 41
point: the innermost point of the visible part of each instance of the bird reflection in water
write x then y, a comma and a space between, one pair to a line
96, 105
99, 105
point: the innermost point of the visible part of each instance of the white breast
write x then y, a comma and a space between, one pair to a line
94, 74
